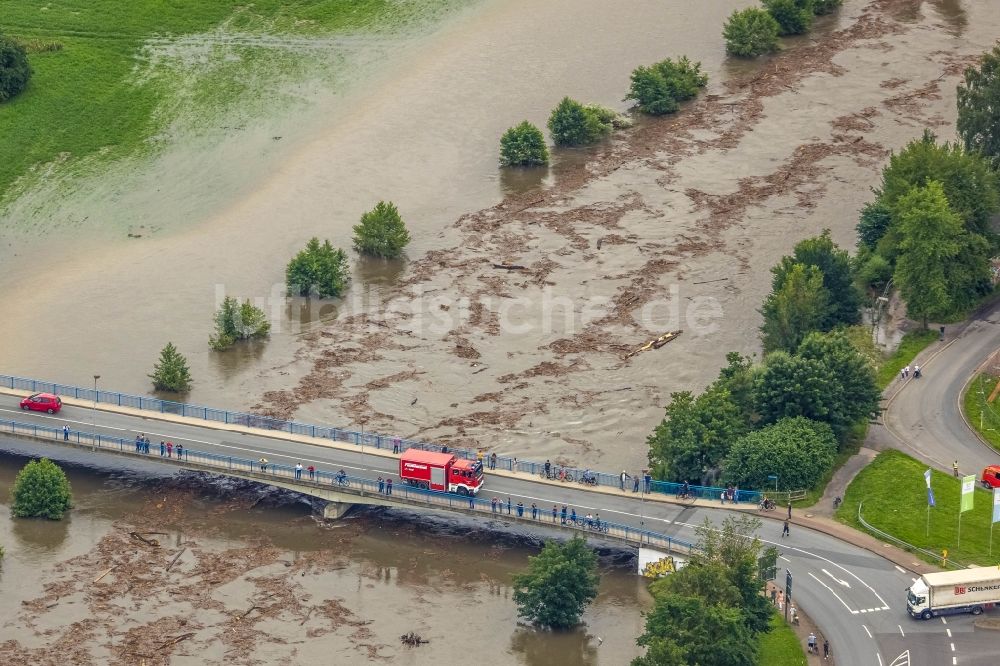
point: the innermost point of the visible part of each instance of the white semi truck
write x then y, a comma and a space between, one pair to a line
951, 592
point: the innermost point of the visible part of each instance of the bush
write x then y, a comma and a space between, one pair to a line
979, 107
15, 71
658, 89
381, 232
799, 451
609, 117
825, 6
41, 490
171, 372
750, 33
523, 145
573, 124
559, 584
794, 17
238, 321
319, 268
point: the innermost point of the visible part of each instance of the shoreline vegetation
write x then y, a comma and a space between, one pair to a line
99, 93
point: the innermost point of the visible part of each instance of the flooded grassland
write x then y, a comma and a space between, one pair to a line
670, 225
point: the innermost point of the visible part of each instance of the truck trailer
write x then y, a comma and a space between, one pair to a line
443, 472
951, 592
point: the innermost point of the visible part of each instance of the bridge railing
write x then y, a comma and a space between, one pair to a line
358, 438
362, 486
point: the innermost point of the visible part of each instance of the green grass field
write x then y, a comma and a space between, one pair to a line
118, 72
780, 646
895, 501
985, 418
912, 344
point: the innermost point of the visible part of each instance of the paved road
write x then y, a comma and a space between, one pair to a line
854, 595
923, 415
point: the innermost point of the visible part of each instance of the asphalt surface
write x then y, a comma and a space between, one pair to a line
923, 416
857, 597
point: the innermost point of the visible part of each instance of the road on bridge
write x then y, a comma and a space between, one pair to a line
855, 596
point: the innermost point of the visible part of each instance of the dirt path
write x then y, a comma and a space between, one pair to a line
673, 225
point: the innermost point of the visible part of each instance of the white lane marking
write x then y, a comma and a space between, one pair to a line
834, 593
901, 630
900, 569
952, 647
842, 582
865, 627
876, 654
944, 621
885, 606
784, 558
948, 632
902, 660
108, 427
954, 660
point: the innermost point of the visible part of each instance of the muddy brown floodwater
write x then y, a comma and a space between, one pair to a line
672, 224
259, 581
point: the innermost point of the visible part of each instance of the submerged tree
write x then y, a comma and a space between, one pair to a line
523, 146
41, 490
381, 232
318, 268
237, 321
979, 107
750, 32
559, 584
171, 372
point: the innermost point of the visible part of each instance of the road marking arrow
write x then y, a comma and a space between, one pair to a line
842, 582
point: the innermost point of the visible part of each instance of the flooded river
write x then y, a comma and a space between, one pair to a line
671, 225
318, 593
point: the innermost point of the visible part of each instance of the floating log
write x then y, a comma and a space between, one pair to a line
655, 343
176, 557
510, 267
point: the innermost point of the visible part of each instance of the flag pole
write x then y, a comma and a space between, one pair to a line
927, 532
958, 546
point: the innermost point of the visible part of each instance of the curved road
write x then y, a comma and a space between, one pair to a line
856, 596
924, 416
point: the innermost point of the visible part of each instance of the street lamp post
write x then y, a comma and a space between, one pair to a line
93, 417
775, 477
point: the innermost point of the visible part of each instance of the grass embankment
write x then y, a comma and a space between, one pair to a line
912, 344
895, 501
105, 71
780, 646
984, 417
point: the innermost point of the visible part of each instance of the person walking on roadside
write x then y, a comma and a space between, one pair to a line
902, 373
381, 485
298, 471
811, 642
163, 448
916, 372
954, 468
388, 486
622, 478
789, 509
534, 511
826, 643
906, 372
784, 530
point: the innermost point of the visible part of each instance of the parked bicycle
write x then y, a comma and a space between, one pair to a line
588, 478
342, 480
560, 474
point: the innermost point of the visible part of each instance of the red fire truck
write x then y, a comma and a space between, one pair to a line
440, 471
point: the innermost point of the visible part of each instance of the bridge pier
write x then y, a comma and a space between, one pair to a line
335, 510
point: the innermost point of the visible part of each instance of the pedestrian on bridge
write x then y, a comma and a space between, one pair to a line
298, 471
789, 509
138, 443
635, 483
508, 505
534, 511
572, 516
312, 472
388, 486
163, 448
555, 510
262, 461
381, 484
145, 445
180, 451
520, 509
395, 444
493, 461
562, 513
622, 478
170, 449
646, 479
472, 501
65, 433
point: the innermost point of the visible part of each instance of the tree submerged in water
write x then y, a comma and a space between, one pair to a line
523, 146
381, 232
238, 321
41, 490
171, 372
559, 584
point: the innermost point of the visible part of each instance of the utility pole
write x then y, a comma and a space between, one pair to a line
93, 417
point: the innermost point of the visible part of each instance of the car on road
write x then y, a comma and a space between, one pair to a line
991, 477
42, 402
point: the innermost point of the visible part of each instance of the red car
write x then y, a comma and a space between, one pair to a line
42, 402
991, 477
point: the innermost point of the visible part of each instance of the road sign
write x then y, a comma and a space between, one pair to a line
788, 592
